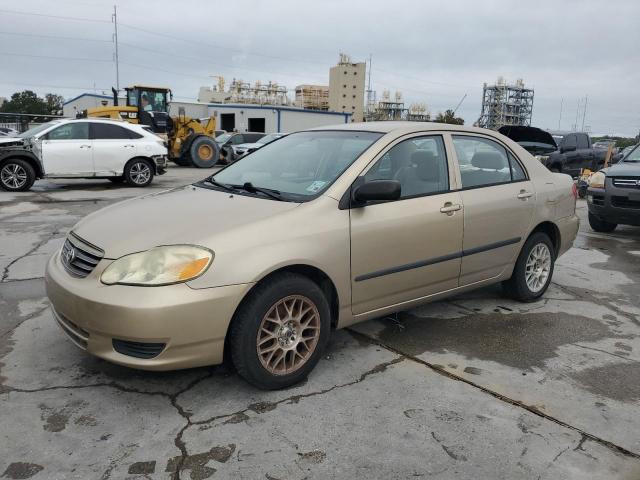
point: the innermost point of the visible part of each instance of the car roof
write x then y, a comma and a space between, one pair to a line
403, 127
120, 123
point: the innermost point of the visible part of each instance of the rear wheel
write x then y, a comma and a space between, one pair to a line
278, 334
600, 225
533, 270
16, 175
138, 172
204, 152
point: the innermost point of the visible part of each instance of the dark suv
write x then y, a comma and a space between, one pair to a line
613, 195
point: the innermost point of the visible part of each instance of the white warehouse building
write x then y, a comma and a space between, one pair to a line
239, 117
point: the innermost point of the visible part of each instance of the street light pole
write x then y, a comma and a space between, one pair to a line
114, 19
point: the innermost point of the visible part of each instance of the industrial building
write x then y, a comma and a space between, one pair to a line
230, 116
312, 97
346, 87
389, 108
506, 104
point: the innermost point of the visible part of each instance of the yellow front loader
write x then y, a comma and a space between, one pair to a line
190, 142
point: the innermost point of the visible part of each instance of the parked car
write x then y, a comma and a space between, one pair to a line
613, 196
536, 141
9, 132
605, 144
245, 148
86, 148
575, 153
318, 230
226, 141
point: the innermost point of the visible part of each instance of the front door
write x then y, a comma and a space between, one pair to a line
498, 203
67, 150
113, 146
409, 248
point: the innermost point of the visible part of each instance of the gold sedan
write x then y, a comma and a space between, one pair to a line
318, 230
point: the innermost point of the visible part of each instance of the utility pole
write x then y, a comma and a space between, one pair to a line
560, 117
584, 111
114, 19
369, 93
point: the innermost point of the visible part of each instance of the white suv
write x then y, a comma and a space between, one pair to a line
82, 148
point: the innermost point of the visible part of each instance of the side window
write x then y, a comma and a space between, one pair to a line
419, 164
517, 172
583, 142
570, 141
482, 161
106, 131
70, 131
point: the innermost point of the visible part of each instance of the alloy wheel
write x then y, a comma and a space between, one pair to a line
538, 267
13, 176
288, 335
140, 173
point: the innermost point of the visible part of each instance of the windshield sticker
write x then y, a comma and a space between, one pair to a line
316, 186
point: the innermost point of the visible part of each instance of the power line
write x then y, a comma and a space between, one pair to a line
42, 85
80, 59
59, 17
81, 39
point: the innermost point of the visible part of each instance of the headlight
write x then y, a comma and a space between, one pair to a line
159, 266
597, 180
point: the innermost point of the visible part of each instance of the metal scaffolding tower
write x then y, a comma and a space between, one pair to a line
504, 104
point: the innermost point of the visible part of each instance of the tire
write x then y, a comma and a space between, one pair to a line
276, 298
601, 226
518, 287
16, 175
138, 172
204, 152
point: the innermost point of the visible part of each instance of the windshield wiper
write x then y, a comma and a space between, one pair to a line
223, 186
249, 187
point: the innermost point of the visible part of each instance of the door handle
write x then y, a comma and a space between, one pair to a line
523, 195
129, 146
450, 208
85, 146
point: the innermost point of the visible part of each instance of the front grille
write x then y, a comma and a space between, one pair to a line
79, 257
597, 200
624, 202
138, 349
74, 332
626, 182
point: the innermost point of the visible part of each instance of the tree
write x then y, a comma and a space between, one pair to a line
448, 117
28, 101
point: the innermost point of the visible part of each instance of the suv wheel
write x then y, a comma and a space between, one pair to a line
600, 225
138, 172
16, 175
533, 271
278, 334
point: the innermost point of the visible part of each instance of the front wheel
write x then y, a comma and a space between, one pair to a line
138, 172
204, 152
600, 225
533, 270
278, 334
16, 175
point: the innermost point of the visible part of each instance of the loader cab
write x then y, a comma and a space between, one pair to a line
152, 104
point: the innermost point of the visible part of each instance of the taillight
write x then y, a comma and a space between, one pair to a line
574, 190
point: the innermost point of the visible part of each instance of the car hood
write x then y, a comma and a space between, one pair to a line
249, 145
6, 141
623, 169
534, 140
186, 215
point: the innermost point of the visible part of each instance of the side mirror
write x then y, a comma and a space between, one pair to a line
377, 190
568, 148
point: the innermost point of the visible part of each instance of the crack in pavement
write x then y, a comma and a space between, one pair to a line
43, 241
604, 351
530, 408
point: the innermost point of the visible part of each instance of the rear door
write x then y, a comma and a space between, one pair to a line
66, 150
499, 202
113, 146
409, 248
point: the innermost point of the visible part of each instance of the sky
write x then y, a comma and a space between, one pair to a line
434, 52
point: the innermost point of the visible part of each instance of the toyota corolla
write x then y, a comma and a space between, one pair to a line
317, 231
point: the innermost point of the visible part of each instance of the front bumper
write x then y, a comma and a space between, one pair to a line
615, 205
189, 325
161, 161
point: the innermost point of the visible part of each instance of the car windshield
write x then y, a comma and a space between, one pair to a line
634, 156
35, 130
268, 138
223, 138
301, 165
